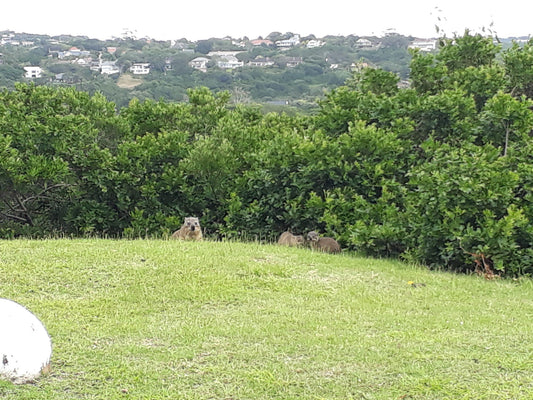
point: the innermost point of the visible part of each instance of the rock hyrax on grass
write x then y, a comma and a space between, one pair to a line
288, 239
326, 244
190, 230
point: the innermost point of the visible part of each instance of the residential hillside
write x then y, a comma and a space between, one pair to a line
278, 70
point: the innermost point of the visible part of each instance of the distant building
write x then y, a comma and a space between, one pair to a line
260, 61
425, 45
293, 41
73, 52
363, 43
262, 42
315, 43
238, 44
199, 63
140, 69
9, 39
94, 65
33, 72
229, 62
109, 68
82, 61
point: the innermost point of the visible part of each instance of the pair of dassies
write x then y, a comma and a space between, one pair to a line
191, 230
326, 244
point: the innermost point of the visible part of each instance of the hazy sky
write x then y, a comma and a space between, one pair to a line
237, 18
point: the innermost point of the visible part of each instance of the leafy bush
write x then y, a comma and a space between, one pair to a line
460, 211
440, 173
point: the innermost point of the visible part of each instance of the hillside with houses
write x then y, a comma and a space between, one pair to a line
280, 69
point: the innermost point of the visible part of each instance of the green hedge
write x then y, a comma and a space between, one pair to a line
439, 174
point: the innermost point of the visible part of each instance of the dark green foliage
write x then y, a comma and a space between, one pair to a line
204, 46
440, 173
376, 81
447, 116
51, 135
461, 209
469, 50
518, 61
361, 207
427, 76
466, 138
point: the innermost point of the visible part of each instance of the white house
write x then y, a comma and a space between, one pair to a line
315, 43
260, 61
109, 68
73, 52
33, 72
199, 63
140, 68
362, 43
425, 45
293, 41
238, 44
229, 62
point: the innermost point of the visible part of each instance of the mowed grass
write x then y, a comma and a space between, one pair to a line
156, 319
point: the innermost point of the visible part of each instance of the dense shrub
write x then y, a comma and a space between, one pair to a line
460, 210
440, 173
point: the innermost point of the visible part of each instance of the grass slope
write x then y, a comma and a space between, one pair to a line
127, 81
149, 319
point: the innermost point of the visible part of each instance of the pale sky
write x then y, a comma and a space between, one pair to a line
204, 19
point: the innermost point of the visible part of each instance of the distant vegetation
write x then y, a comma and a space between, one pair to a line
437, 172
322, 68
325, 63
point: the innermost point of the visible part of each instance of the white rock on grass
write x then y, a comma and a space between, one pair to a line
25, 347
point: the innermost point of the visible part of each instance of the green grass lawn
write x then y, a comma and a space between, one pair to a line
156, 319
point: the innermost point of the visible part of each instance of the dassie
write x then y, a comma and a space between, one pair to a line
288, 239
326, 244
190, 230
